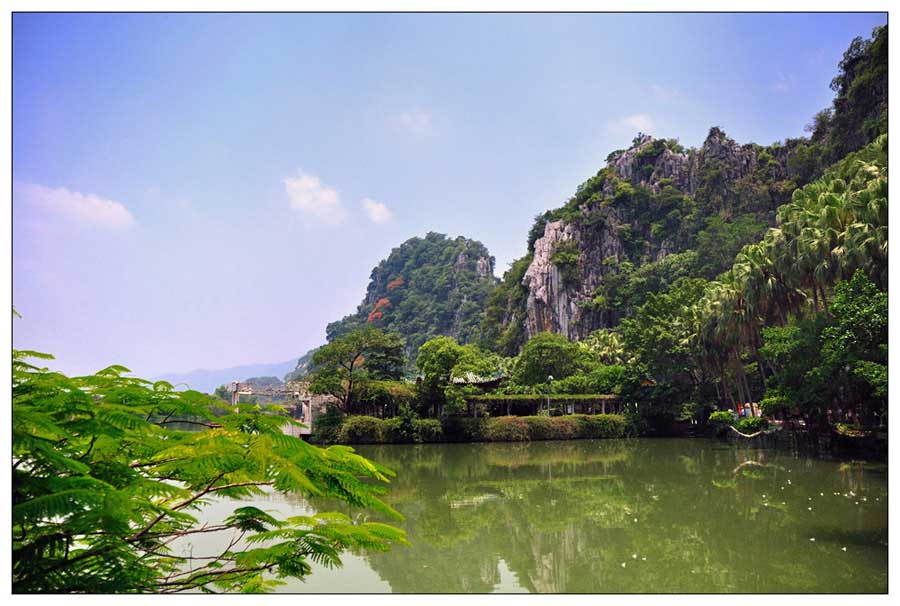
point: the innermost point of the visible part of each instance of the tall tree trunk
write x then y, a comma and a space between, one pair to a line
782, 317
747, 391
740, 378
760, 363
727, 389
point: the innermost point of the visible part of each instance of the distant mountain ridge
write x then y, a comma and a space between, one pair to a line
206, 380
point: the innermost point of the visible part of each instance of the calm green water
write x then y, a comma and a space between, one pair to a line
621, 516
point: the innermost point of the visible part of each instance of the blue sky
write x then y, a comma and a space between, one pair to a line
204, 191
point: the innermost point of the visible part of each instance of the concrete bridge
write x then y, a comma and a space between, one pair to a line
300, 403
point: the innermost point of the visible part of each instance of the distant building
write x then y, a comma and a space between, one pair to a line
301, 405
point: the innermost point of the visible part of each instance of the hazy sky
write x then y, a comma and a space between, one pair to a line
203, 191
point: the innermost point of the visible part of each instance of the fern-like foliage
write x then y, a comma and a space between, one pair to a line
103, 484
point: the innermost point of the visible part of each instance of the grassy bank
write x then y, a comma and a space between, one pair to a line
371, 430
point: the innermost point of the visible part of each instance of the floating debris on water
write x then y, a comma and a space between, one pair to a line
812, 538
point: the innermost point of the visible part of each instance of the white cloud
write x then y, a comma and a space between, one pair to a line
377, 211
417, 122
314, 199
633, 124
86, 209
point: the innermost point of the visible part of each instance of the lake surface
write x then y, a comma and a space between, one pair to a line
610, 516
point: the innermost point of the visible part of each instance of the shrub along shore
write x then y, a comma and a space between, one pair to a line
371, 430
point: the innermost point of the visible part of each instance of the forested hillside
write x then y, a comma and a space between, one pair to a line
658, 212
654, 215
426, 287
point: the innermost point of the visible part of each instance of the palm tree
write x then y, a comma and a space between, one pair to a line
828, 230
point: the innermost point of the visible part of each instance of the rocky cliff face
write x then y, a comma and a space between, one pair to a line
556, 304
639, 166
716, 179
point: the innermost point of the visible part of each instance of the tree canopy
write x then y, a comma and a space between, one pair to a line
426, 287
348, 364
546, 354
104, 486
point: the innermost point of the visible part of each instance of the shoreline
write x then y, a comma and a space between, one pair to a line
566, 428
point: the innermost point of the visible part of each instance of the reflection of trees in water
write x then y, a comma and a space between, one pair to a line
565, 516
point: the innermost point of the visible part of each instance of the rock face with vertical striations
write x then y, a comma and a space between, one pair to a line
647, 203
553, 302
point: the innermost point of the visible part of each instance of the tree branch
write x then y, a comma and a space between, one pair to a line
176, 507
160, 462
194, 581
186, 422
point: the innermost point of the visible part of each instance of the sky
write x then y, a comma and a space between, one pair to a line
210, 190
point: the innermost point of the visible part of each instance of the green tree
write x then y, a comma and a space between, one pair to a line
442, 358
834, 361
860, 104
604, 344
546, 354
222, 393
102, 485
720, 241
345, 366
663, 371
854, 348
426, 287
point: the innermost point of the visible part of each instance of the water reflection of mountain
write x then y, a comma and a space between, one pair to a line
639, 516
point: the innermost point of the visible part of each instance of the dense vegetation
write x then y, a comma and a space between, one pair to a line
372, 430
359, 367
749, 274
105, 490
426, 287
859, 112
679, 213
768, 287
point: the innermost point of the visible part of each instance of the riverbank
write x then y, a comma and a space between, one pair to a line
822, 444
372, 430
